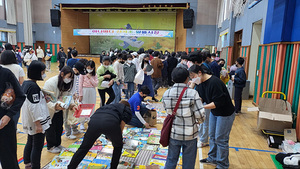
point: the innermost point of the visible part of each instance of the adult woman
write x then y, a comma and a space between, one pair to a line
213, 92
29, 57
35, 115
148, 71
8, 60
60, 85
40, 53
106, 74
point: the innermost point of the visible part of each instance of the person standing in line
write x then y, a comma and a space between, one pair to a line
61, 85
148, 71
106, 74
61, 58
135, 59
87, 84
48, 56
172, 63
214, 92
129, 75
164, 72
8, 143
35, 115
8, 60
40, 53
183, 62
239, 82
184, 130
109, 120
157, 65
69, 50
118, 66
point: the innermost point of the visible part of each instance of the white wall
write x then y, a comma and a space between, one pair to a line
256, 36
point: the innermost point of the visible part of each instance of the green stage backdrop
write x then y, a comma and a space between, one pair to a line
145, 21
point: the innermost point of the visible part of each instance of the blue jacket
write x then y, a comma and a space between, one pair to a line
240, 78
215, 68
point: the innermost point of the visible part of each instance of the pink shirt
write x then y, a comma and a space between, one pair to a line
84, 81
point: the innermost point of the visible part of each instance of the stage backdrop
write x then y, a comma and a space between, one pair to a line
141, 21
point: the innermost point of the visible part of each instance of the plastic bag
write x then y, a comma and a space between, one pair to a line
8, 97
139, 77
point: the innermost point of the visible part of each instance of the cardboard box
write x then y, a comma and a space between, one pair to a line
274, 115
151, 117
290, 134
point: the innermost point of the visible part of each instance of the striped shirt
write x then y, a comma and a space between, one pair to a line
190, 111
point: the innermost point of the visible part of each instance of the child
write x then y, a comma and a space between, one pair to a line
106, 74
71, 62
87, 84
129, 74
48, 56
185, 129
239, 81
35, 115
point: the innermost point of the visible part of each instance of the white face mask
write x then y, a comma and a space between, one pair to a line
67, 80
48, 50
105, 66
44, 76
129, 61
196, 80
89, 70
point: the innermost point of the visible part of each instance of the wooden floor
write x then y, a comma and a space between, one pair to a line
248, 147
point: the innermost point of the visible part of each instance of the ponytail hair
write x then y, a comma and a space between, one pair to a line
202, 68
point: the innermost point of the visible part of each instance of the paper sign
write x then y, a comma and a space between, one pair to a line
253, 109
86, 112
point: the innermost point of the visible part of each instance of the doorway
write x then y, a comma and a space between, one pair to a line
238, 36
255, 42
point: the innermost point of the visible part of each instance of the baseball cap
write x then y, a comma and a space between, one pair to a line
80, 67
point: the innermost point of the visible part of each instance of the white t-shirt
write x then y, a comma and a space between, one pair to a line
16, 69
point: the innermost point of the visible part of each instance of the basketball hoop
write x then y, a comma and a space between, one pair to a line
238, 7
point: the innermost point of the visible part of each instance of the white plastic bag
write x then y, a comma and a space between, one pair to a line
105, 84
139, 77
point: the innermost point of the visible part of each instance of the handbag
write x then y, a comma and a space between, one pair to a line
167, 126
139, 77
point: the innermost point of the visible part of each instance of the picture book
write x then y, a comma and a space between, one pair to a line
49, 96
158, 162
102, 161
74, 146
130, 153
90, 156
101, 141
161, 154
96, 148
65, 101
150, 147
107, 150
153, 139
125, 165
60, 162
97, 166
84, 164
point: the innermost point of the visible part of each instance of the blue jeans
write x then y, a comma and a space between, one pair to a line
219, 130
135, 121
20, 64
130, 90
203, 128
189, 153
117, 90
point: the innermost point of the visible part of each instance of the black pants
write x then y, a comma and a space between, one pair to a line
170, 82
111, 94
8, 146
33, 150
40, 59
97, 127
53, 134
238, 99
61, 65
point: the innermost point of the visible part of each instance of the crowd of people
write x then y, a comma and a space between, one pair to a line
204, 118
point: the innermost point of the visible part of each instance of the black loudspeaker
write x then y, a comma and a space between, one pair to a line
188, 18
55, 17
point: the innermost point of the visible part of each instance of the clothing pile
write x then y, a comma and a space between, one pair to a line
141, 148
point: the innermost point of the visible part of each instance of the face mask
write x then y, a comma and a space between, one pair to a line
48, 50
89, 70
129, 61
67, 80
105, 66
122, 62
196, 80
222, 65
44, 76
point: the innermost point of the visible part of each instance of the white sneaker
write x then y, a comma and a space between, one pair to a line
77, 132
82, 126
71, 137
54, 150
200, 144
61, 147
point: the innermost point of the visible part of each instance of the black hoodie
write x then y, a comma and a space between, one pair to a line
112, 113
